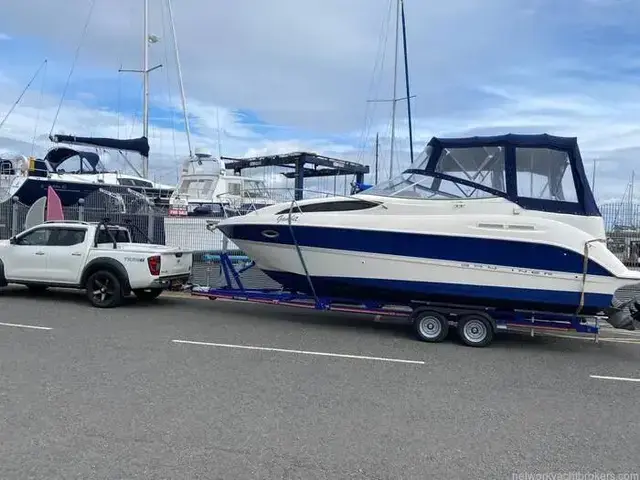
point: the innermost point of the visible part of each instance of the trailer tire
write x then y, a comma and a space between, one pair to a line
430, 326
475, 330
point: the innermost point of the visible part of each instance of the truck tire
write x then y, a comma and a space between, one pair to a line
147, 294
3, 280
104, 289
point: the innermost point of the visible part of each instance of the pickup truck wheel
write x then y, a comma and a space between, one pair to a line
104, 289
148, 294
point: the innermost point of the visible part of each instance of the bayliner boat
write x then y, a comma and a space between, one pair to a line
501, 221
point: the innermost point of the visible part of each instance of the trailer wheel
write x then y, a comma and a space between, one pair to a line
430, 326
475, 330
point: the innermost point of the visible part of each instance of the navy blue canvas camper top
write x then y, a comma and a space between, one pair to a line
585, 205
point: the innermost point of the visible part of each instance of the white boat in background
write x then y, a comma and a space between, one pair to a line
505, 222
205, 194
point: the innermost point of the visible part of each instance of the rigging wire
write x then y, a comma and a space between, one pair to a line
134, 120
180, 82
15, 104
73, 65
375, 75
39, 109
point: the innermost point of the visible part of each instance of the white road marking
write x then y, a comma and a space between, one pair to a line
622, 379
302, 352
19, 325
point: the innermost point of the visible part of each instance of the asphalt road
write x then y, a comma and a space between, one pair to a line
110, 394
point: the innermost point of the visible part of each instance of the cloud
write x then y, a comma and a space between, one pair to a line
271, 77
4, 36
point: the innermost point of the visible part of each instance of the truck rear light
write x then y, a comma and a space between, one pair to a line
154, 265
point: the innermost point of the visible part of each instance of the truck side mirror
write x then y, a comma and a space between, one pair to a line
12, 240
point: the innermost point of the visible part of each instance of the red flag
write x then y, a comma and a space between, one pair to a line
54, 205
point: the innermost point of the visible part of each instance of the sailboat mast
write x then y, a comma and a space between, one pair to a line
394, 100
145, 72
377, 158
406, 77
631, 188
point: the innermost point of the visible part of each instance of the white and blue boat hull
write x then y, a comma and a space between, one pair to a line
404, 267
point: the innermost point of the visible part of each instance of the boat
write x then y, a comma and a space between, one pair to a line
206, 188
76, 173
205, 194
505, 221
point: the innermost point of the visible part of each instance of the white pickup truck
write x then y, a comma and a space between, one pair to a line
97, 257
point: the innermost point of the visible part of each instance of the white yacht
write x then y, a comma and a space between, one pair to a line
505, 221
205, 194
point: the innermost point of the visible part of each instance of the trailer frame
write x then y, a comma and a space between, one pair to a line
476, 325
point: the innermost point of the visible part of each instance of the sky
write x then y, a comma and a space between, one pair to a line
277, 76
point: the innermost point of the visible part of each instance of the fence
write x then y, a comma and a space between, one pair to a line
622, 222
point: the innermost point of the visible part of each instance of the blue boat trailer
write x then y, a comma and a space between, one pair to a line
431, 321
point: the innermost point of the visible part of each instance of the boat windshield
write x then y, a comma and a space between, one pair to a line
480, 172
255, 189
483, 166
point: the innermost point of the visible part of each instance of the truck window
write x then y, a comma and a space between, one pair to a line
67, 237
121, 236
38, 237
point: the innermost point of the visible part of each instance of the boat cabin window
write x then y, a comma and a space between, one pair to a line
196, 188
234, 188
255, 189
482, 165
545, 174
76, 164
134, 182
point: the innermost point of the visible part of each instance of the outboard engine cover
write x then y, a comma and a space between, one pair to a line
625, 316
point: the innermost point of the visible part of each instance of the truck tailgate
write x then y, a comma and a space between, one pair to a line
175, 263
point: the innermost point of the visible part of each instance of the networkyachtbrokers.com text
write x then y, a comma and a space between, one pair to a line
575, 476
